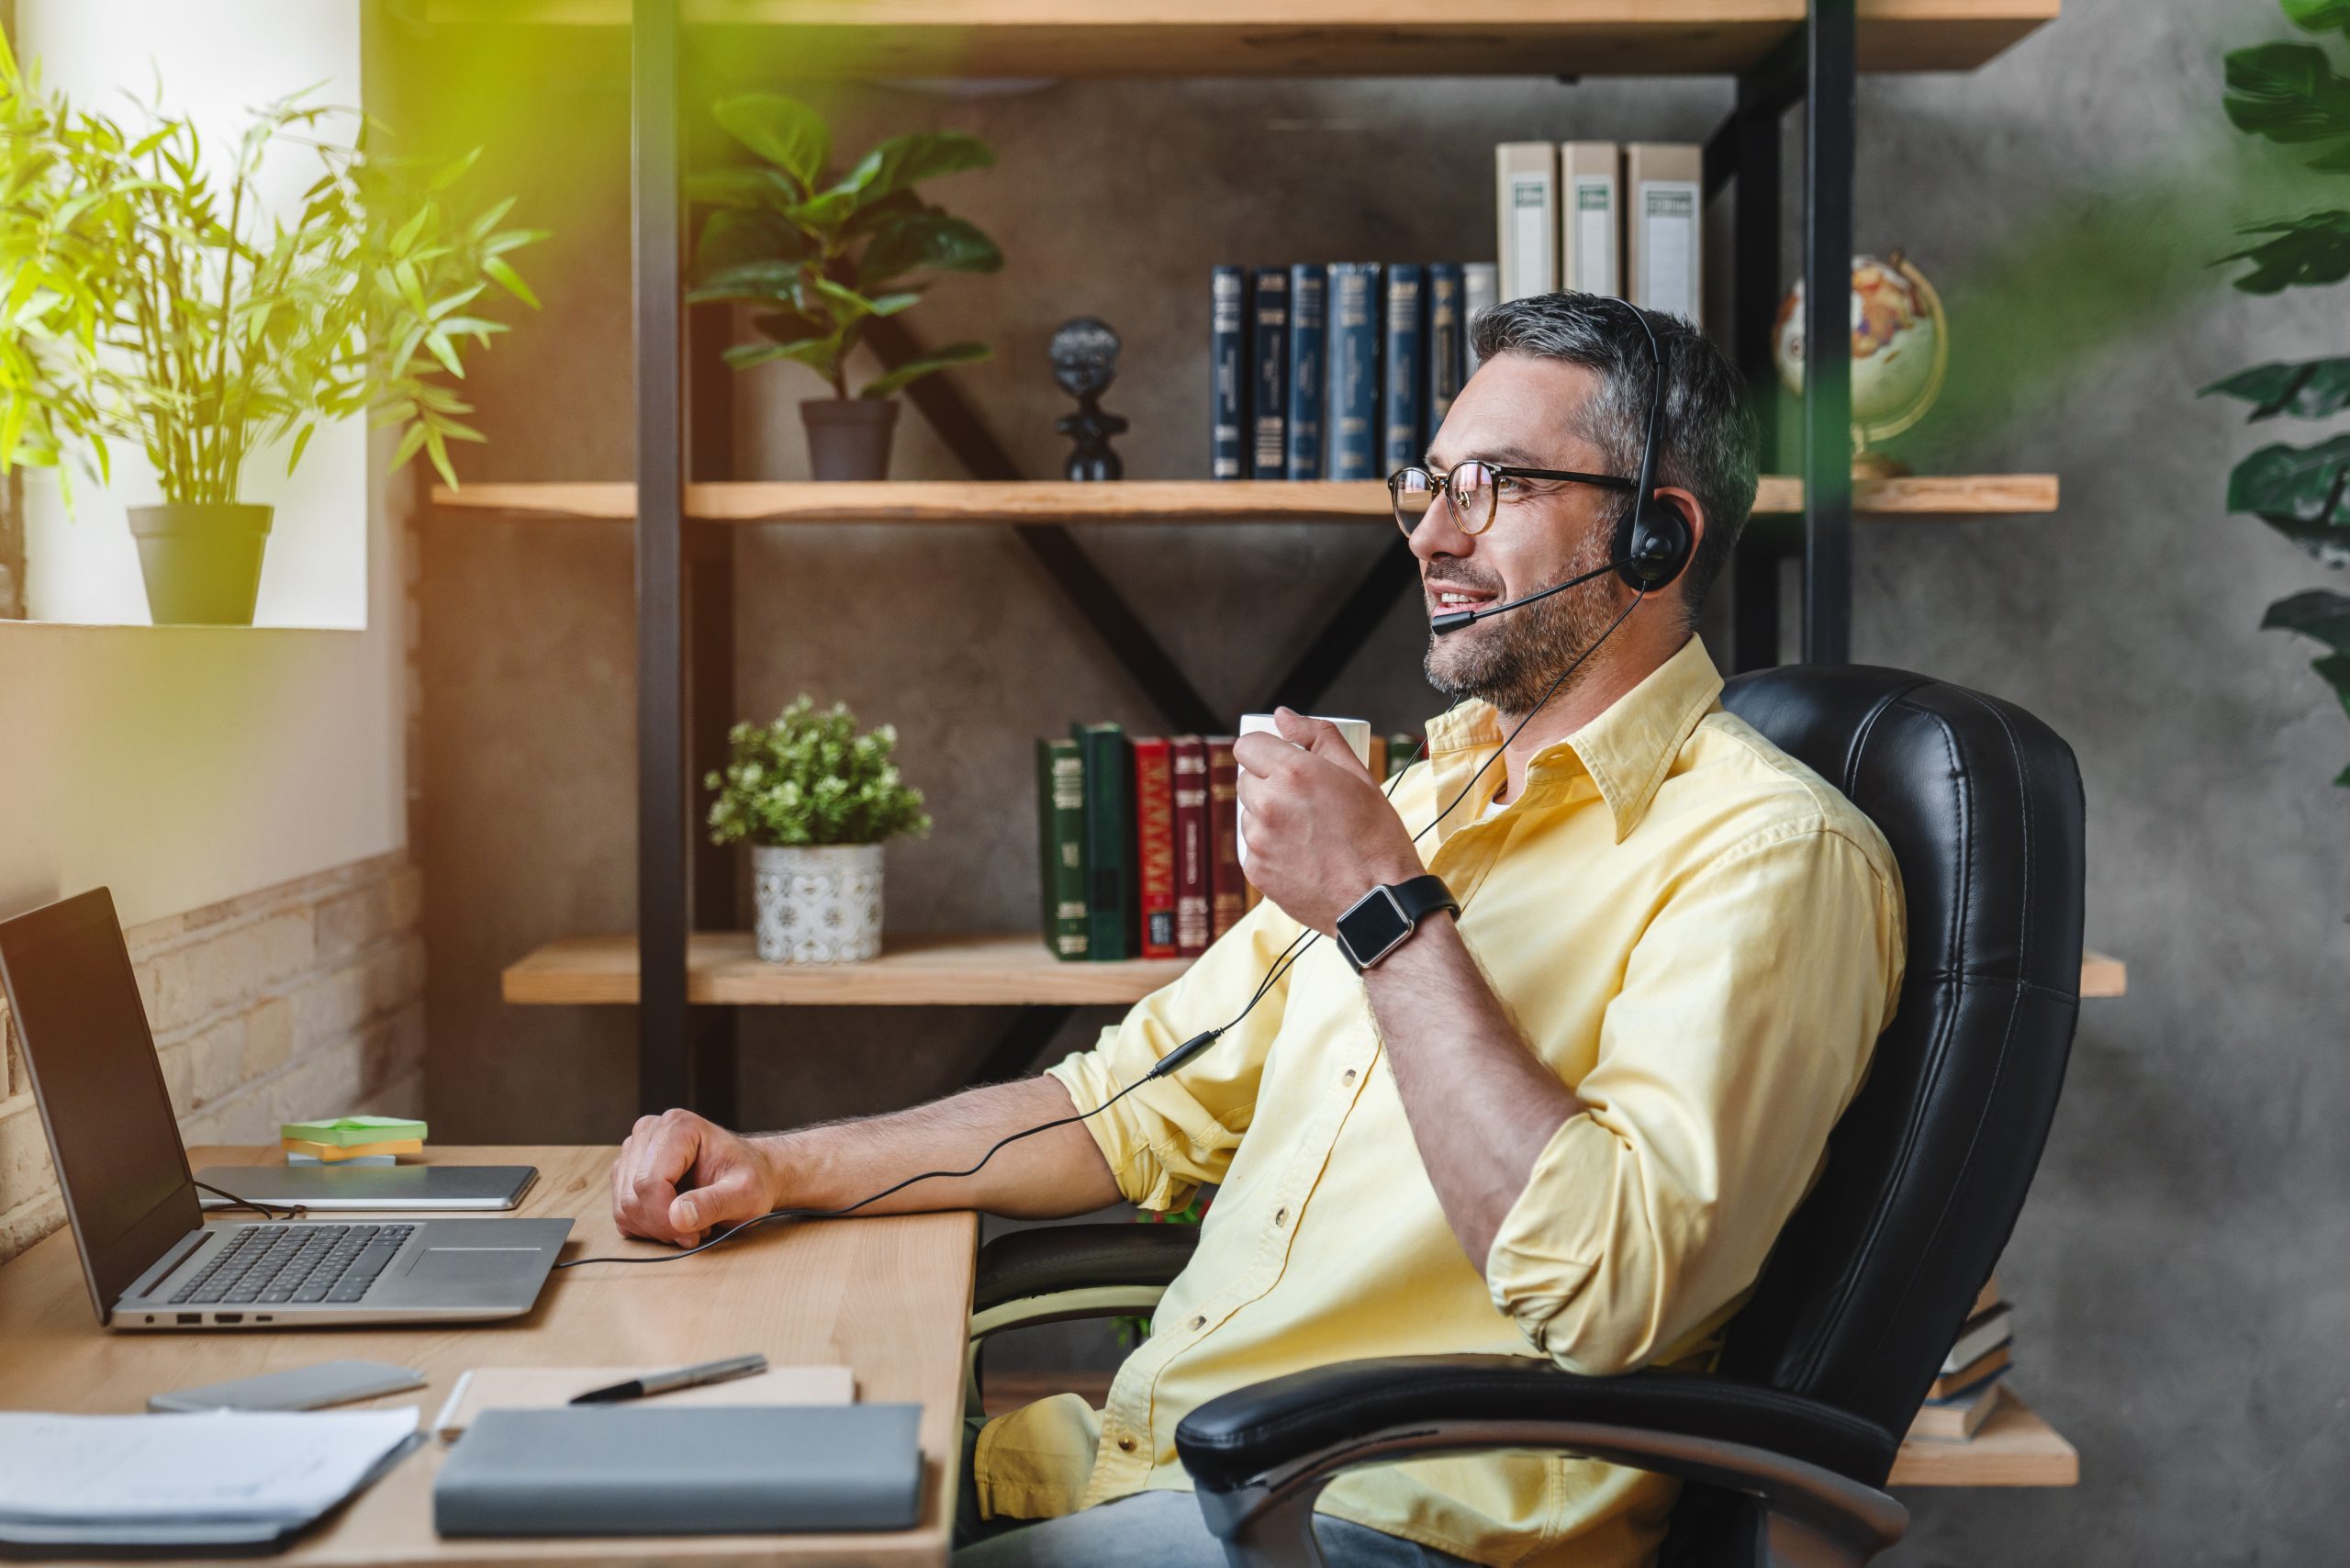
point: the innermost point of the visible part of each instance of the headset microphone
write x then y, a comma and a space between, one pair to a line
1454, 620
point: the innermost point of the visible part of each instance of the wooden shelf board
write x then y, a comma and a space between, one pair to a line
2014, 1447
930, 970
2103, 975
913, 970
870, 39
1158, 500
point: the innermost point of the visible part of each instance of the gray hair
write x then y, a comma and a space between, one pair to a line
1707, 443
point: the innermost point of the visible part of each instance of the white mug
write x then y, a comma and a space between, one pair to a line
1355, 731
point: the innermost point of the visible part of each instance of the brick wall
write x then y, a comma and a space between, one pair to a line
302, 1000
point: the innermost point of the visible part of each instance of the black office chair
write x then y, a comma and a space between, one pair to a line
1787, 1451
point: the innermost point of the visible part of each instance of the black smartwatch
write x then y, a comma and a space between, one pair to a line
1384, 918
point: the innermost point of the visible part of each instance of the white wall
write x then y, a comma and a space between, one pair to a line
217, 61
186, 765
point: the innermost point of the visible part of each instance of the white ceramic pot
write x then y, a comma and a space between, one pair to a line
818, 903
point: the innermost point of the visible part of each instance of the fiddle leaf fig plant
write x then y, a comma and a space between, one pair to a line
145, 297
823, 251
2291, 94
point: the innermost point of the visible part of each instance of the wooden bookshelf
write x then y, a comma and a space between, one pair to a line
867, 39
1160, 500
933, 971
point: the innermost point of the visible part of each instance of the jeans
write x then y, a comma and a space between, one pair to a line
1149, 1530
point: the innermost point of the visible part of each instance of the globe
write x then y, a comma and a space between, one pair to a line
1900, 348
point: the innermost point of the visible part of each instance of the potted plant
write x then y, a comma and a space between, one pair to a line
815, 801
145, 299
822, 253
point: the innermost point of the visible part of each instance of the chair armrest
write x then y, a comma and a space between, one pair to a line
1262, 1454
1052, 1258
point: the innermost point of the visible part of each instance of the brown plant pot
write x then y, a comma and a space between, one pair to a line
848, 437
201, 560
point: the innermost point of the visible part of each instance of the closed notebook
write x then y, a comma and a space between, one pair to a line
540, 1388
640, 1469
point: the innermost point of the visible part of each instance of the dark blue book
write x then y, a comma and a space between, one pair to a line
1352, 408
1402, 442
1445, 346
1268, 371
1309, 337
1227, 374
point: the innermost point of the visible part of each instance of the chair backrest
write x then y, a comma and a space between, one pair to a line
1872, 1278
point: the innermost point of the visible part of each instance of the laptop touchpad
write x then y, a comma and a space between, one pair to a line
460, 1264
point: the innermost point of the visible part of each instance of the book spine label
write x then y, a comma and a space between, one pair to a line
1268, 371
1109, 763
1443, 348
1227, 888
1228, 373
1154, 846
1480, 290
1526, 194
1401, 438
1352, 406
1060, 844
1188, 757
1309, 335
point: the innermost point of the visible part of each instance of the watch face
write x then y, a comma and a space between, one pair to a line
1373, 925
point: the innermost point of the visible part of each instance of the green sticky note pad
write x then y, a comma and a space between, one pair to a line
343, 1132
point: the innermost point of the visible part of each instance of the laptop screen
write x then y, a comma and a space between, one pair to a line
84, 1030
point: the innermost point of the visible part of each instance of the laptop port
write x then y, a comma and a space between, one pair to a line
225, 1319
188, 1318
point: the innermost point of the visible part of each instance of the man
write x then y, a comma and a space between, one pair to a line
1568, 1121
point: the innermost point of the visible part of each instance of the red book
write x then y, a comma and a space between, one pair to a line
1193, 850
1155, 844
1228, 889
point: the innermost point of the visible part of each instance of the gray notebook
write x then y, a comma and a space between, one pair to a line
639, 1469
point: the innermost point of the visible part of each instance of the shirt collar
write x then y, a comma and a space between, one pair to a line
1627, 750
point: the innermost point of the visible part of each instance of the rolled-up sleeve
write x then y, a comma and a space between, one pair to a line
1744, 1026
1166, 1139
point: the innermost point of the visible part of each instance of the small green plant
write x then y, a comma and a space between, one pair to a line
2291, 94
823, 251
810, 778
143, 300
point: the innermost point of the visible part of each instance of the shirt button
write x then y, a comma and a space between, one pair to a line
1349, 1078
1199, 1323
1125, 1445
1281, 1217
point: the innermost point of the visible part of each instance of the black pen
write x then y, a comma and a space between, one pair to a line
683, 1377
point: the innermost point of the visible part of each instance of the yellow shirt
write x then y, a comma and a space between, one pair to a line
1696, 932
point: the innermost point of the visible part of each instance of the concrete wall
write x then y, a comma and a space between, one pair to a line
2178, 1274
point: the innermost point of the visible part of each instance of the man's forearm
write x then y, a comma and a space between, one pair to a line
1481, 1105
1050, 1175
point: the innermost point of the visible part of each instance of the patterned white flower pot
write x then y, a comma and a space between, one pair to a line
818, 903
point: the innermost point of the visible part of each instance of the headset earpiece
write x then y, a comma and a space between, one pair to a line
1654, 543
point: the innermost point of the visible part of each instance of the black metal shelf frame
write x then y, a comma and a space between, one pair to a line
684, 653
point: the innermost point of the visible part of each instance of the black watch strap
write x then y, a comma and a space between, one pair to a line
1384, 918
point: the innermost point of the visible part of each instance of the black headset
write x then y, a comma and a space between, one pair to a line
1652, 543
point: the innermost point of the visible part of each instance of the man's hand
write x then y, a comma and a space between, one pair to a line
680, 1175
1320, 833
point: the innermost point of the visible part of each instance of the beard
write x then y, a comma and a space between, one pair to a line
1512, 661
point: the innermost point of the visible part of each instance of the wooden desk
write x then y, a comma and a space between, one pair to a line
891, 1298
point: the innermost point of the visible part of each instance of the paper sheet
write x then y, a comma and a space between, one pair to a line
216, 1467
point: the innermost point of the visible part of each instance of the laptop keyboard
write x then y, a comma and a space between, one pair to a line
272, 1263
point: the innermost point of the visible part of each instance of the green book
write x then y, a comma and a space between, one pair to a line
1060, 844
1111, 910
347, 1132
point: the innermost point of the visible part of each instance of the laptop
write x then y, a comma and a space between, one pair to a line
150, 1261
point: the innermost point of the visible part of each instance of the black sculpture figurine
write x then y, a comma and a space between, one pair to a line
1085, 361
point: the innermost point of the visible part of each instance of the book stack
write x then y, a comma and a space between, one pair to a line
1963, 1397
1603, 218
1336, 372
352, 1140
1138, 840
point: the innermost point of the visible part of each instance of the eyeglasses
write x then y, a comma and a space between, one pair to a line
1475, 489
